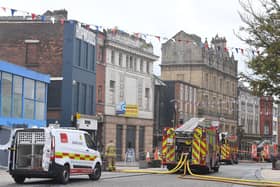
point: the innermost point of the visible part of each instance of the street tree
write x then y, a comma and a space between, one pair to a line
262, 33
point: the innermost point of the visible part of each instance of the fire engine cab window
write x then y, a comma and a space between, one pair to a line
89, 142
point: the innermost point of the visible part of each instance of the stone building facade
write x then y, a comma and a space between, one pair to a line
209, 67
129, 93
248, 119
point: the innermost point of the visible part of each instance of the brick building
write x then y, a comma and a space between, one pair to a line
65, 51
209, 67
100, 87
266, 117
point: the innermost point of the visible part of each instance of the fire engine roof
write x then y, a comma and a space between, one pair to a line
190, 125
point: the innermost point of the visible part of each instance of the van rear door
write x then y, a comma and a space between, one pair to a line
29, 149
47, 150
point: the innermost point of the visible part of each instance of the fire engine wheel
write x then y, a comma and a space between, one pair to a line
96, 173
64, 175
19, 179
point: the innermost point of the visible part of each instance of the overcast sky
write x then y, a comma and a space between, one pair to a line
164, 18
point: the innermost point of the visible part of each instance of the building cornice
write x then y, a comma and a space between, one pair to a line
132, 50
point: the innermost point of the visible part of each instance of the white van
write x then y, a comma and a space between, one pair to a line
53, 153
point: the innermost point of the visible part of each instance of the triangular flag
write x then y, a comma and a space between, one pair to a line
158, 37
226, 49
33, 16
62, 21
13, 11
242, 50
4, 9
253, 52
236, 49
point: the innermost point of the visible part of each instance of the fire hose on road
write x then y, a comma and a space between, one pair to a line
180, 164
193, 176
183, 162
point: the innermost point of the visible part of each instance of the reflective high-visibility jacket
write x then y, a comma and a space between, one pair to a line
111, 150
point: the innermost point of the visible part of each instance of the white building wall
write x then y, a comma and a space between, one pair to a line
131, 81
249, 111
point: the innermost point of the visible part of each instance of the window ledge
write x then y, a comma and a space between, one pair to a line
32, 65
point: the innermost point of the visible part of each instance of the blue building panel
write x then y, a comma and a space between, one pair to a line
24, 72
18, 107
17, 122
79, 76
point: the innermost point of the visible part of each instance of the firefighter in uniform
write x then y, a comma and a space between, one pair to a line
111, 156
262, 156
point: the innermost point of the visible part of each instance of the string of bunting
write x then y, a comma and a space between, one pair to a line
33, 16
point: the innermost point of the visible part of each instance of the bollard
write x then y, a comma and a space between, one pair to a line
273, 161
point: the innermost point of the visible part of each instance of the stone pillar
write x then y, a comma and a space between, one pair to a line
149, 138
124, 141
137, 143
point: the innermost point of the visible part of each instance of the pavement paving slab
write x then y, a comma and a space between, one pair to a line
270, 174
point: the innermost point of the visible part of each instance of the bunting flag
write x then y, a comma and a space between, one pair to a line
138, 35
13, 12
33, 16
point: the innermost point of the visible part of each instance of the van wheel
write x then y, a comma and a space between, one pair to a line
64, 175
19, 179
96, 173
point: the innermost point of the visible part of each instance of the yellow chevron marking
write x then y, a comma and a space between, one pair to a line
196, 137
196, 146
